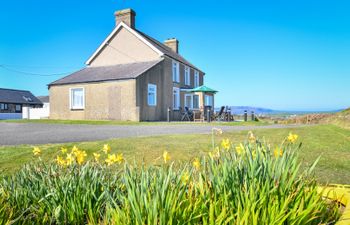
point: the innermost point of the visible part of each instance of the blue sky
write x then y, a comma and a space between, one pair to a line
290, 55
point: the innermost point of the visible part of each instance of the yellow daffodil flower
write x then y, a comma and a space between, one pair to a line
185, 178
97, 156
64, 150
106, 149
278, 152
166, 156
81, 157
75, 150
119, 159
36, 151
111, 159
60, 161
69, 159
239, 149
292, 137
226, 144
196, 164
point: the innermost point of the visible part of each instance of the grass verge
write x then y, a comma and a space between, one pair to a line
330, 142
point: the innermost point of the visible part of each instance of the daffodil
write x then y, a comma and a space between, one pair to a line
226, 144
196, 164
60, 161
215, 153
111, 159
278, 152
106, 149
64, 150
292, 137
119, 159
185, 178
81, 157
254, 154
75, 150
166, 156
239, 149
69, 159
36, 151
97, 156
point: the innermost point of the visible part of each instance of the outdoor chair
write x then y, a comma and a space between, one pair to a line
186, 115
221, 115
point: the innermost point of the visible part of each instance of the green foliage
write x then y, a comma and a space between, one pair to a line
251, 183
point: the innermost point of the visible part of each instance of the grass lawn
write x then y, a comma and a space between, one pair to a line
114, 122
328, 141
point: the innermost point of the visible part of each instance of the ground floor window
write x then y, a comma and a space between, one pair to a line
18, 108
152, 95
4, 106
209, 100
196, 101
77, 98
176, 98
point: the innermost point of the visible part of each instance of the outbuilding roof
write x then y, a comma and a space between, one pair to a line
107, 73
18, 97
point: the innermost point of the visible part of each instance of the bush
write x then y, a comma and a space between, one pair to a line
250, 183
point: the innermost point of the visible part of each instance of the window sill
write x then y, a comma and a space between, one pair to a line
77, 109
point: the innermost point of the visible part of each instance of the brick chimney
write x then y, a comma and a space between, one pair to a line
172, 43
125, 15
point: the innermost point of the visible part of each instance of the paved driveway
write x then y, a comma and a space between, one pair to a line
32, 133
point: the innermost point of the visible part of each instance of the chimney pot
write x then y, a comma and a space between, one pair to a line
127, 16
172, 43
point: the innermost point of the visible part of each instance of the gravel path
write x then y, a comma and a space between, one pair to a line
32, 133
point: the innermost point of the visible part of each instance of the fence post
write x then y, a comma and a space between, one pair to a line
168, 114
245, 115
208, 116
253, 116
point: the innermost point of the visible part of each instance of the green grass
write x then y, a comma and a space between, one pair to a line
115, 122
330, 142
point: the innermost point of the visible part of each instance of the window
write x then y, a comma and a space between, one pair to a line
152, 95
176, 71
209, 100
176, 98
77, 98
196, 78
18, 108
188, 101
3, 106
195, 101
187, 76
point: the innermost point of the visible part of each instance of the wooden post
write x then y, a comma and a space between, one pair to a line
245, 115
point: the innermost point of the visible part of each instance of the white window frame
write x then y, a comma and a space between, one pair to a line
176, 75
71, 100
187, 75
185, 101
196, 78
155, 94
177, 98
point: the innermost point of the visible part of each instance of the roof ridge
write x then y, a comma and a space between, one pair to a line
10, 89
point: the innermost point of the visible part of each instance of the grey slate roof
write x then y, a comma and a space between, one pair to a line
107, 73
44, 99
18, 96
166, 50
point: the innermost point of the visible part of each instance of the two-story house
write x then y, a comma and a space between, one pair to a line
131, 76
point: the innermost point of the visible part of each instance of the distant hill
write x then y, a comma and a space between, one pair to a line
341, 119
238, 110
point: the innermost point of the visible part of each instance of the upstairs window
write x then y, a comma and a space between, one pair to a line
77, 98
176, 71
196, 78
152, 95
176, 98
187, 76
